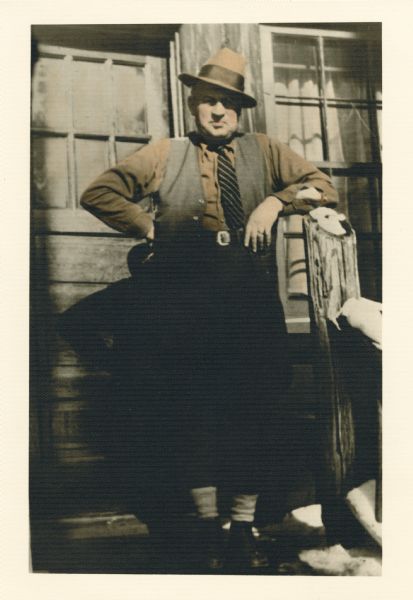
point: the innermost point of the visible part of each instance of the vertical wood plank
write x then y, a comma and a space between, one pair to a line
112, 118
181, 128
176, 107
267, 80
245, 38
68, 62
156, 97
198, 43
324, 108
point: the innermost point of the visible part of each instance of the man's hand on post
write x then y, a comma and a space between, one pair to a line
260, 223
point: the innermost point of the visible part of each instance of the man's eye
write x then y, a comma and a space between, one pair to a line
226, 102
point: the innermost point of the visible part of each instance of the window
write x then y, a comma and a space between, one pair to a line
323, 98
89, 110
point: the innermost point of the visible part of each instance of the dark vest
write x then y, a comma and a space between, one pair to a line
180, 203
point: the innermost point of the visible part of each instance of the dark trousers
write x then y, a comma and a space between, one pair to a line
199, 399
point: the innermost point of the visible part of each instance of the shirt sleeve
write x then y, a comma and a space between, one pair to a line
291, 173
115, 197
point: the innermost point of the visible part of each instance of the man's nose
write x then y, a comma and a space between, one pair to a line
218, 109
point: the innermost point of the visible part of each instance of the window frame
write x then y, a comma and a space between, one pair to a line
371, 103
371, 170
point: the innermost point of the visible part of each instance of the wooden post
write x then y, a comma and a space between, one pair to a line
333, 278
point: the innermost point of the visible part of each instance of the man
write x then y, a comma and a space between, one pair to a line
213, 358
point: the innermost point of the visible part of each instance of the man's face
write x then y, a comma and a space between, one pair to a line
216, 111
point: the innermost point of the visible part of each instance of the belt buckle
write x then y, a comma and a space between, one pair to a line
223, 238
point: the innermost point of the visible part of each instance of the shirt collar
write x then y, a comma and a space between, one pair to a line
197, 139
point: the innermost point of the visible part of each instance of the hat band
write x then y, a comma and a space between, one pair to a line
225, 76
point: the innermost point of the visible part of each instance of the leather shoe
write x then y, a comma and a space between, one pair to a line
211, 544
243, 554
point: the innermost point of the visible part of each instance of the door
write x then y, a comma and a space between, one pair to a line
90, 109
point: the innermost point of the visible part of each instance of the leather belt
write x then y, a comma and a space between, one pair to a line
224, 237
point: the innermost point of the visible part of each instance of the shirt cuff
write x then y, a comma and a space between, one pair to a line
294, 205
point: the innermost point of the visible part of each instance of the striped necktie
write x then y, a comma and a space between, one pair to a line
230, 194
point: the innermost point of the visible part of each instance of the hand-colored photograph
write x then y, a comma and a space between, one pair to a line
206, 299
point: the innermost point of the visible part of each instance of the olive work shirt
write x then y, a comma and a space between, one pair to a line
114, 196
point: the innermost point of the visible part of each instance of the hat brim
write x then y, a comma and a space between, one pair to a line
245, 100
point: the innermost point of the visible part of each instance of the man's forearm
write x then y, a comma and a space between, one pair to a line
116, 211
114, 196
293, 175
301, 198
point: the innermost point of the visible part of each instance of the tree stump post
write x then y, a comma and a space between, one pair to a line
332, 279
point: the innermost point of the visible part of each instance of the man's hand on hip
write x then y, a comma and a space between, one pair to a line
151, 234
260, 223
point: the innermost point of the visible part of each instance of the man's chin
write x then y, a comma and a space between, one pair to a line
217, 134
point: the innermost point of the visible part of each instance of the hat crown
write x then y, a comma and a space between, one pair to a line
225, 70
228, 59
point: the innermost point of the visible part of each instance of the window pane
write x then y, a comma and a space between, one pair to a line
300, 128
129, 91
294, 83
49, 99
125, 149
297, 73
49, 172
356, 201
91, 97
345, 85
91, 161
346, 69
349, 134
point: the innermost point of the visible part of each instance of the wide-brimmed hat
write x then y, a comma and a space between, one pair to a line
226, 70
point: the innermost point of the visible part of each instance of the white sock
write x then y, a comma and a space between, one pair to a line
205, 500
243, 507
